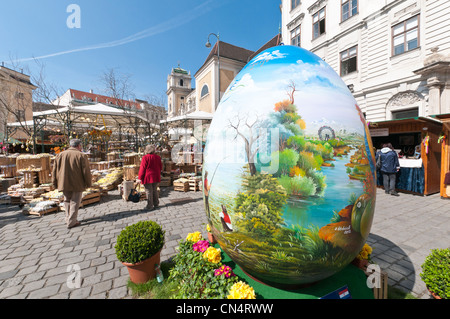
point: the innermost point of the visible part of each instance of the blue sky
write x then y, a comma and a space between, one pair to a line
143, 39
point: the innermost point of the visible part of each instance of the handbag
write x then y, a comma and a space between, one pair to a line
134, 196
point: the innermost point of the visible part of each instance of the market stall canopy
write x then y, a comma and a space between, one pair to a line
198, 115
98, 115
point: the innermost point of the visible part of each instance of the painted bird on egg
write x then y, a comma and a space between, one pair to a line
289, 172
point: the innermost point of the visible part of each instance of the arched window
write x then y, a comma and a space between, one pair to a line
181, 82
205, 90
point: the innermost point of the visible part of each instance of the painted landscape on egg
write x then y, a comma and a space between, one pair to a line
289, 170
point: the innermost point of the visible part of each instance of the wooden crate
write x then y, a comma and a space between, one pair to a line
168, 166
130, 173
30, 178
9, 171
93, 165
166, 181
90, 199
44, 177
194, 185
188, 168
112, 156
17, 200
181, 186
101, 166
132, 159
33, 161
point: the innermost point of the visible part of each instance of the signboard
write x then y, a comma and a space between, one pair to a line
379, 132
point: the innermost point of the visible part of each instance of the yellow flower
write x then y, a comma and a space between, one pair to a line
212, 255
208, 229
194, 237
368, 249
241, 290
363, 254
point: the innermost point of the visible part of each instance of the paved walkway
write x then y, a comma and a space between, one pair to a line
37, 253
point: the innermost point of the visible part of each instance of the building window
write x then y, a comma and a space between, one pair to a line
349, 61
405, 114
204, 91
21, 115
405, 35
295, 36
349, 8
181, 82
319, 23
294, 3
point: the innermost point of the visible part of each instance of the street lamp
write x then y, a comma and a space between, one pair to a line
208, 45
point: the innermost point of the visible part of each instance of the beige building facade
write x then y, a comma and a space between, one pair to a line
16, 102
206, 95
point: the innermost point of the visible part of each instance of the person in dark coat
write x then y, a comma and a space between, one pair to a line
150, 175
389, 167
72, 175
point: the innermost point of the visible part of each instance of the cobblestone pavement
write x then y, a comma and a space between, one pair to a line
37, 253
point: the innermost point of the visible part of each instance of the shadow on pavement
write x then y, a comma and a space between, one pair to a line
394, 261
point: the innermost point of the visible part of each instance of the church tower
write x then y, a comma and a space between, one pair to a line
178, 87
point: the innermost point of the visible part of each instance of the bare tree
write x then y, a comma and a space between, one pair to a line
119, 87
249, 132
154, 113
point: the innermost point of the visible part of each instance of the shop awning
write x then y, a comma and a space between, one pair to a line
95, 115
406, 120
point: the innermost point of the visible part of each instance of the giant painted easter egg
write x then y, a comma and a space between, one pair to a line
288, 172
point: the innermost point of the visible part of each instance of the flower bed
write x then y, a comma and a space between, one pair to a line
200, 273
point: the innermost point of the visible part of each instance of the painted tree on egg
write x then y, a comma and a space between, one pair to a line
299, 158
248, 129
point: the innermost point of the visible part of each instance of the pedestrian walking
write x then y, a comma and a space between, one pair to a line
150, 175
71, 176
389, 167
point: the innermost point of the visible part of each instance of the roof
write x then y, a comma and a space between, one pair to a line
197, 115
98, 98
110, 115
17, 76
275, 41
180, 70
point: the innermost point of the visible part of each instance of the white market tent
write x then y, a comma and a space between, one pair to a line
185, 125
85, 117
111, 116
197, 115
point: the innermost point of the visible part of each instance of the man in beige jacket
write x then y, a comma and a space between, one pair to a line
72, 175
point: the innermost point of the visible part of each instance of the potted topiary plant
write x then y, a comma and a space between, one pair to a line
435, 273
139, 248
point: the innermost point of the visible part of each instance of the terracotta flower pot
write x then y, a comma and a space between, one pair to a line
145, 270
360, 263
434, 295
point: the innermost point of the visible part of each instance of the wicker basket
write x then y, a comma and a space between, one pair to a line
26, 162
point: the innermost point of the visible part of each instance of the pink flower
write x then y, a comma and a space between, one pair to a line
201, 246
224, 270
